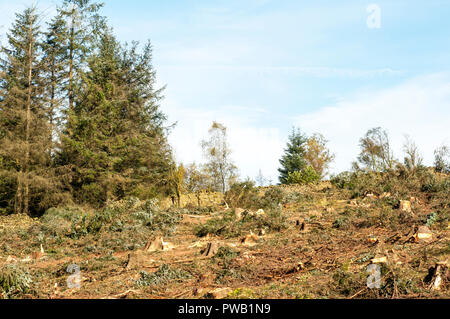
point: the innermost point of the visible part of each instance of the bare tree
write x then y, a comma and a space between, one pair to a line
412, 159
218, 154
442, 159
260, 179
376, 153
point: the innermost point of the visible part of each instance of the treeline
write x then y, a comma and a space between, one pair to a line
80, 120
307, 159
80, 123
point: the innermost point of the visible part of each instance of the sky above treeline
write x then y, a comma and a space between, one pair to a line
261, 67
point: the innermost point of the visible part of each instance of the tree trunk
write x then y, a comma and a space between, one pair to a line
71, 52
26, 195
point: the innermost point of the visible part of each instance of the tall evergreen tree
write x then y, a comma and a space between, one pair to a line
293, 159
82, 19
55, 52
24, 127
115, 137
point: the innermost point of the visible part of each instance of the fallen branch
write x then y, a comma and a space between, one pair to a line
121, 295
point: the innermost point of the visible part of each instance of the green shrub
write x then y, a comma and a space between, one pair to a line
340, 223
243, 195
229, 226
62, 221
272, 198
307, 176
15, 281
163, 275
343, 180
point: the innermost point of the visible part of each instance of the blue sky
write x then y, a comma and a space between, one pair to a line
262, 66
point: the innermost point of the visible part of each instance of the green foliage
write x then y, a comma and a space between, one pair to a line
124, 225
75, 81
431, 219
115, 136
340, 223
307, 176
15, 281
342, 180
225, 255
229, 226
272, 198
163, 275
243, 195
62, 221
294, 155
32, 183
376, 153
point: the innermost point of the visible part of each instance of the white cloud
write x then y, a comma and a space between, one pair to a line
419, 107
253, 147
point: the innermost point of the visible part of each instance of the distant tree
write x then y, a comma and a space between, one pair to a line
260, 179
413, 159
218, 155
442, 159
376, 154
177, 181
318, 155
196, 180
294, 155
307, 176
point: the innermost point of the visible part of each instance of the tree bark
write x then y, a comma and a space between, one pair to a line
26, 195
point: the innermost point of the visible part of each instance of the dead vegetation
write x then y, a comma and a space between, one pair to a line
280, 242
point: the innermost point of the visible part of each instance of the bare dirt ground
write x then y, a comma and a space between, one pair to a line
322, 252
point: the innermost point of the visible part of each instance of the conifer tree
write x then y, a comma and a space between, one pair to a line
115, 137
55, 51
294, 156
82, 23
24, 127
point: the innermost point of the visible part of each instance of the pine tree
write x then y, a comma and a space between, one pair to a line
55, 53
115, 137
82, 20
24, 127
294, 158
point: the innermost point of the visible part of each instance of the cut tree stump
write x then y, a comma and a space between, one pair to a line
436, 275
158, 245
